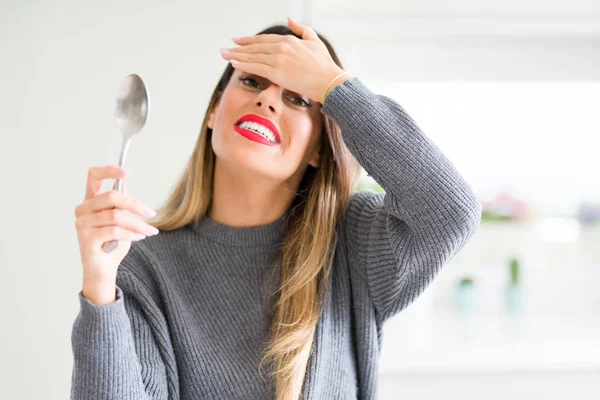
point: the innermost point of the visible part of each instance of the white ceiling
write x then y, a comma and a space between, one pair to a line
457, 17
462, 39
537, 7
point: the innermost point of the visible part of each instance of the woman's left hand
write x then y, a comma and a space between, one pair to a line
302, 65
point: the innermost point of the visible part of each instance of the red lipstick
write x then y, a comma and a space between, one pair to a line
256, 136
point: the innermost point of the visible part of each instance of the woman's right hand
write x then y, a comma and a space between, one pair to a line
103, 217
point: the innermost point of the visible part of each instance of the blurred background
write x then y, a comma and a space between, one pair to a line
509, 90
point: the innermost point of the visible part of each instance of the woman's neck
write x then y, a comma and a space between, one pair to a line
245, 200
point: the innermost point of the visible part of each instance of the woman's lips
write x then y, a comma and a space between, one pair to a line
254, 136
262, 121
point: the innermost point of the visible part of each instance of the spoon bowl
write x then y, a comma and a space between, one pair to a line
132, 105
131, 112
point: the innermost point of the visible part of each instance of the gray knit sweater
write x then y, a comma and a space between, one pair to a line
193, 304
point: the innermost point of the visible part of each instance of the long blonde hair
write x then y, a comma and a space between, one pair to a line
308, 243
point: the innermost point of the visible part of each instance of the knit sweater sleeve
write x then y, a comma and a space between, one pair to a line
401, 238
116, 352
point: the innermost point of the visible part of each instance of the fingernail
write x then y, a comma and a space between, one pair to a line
224, 51
235, 39
234, 62
149, 212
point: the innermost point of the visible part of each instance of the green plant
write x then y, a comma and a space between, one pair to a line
514, 271
466, 281
490, 216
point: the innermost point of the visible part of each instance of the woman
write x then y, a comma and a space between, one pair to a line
269, 278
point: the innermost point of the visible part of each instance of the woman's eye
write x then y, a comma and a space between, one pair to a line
299, 101
249, 82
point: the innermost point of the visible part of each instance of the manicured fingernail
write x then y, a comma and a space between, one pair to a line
149, 212
234, 62
224, 51
235, 39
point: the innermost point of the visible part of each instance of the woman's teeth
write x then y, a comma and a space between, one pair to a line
260, 129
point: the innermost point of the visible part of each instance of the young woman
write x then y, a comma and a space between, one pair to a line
270, 278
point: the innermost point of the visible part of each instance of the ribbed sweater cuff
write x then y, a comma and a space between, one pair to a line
105, 322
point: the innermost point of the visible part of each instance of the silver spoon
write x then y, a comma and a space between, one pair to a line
131, 112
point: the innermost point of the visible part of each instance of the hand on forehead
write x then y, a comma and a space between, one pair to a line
301, 65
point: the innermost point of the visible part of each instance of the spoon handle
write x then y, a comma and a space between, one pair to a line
111, 245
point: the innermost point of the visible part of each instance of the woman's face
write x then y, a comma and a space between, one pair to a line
291, 119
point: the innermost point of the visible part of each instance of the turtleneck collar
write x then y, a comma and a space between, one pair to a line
270, 233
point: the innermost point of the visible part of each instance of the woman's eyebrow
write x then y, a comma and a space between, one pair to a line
265, 80
297, 94
292, 92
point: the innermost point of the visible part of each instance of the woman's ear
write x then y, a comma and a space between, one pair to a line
211, 120
316, 152
212, 117
314, 161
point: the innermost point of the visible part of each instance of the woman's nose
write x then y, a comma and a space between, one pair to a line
270, 98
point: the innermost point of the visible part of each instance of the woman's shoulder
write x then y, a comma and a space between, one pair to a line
361, 203
360, 210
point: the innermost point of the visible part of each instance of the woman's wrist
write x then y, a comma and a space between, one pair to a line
337, 78
100, 292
